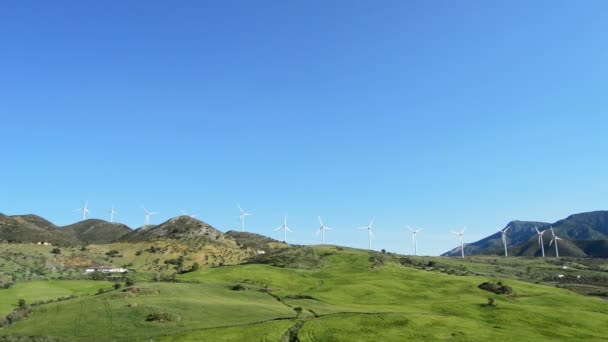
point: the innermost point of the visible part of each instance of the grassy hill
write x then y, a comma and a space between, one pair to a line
342, 294
93, 231
32, 229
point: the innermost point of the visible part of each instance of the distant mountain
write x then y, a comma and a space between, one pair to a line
93, 231
584, 234
176, 228
32, 229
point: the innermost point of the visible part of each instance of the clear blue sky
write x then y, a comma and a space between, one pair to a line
436, 114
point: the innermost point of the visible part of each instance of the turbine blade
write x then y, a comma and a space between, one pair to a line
408, 227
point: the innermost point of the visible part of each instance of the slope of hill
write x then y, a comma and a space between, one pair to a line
253, 240
32, 229
353, 295
582, 235
176, 228
93, 231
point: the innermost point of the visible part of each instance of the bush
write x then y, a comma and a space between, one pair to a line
239, 287
56, 251
129, 282
117, 286
162, 317
497, 288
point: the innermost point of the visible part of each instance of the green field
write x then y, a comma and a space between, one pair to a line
36, 291
349, 296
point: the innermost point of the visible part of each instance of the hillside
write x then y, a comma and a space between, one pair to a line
177, 228
253, 240
583, 235
32, 229
350, 295
93, 231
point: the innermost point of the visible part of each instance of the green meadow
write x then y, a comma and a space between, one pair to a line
348, 296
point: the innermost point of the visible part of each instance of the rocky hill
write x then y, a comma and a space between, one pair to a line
181, 227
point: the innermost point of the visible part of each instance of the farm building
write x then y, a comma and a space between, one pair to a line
105, 269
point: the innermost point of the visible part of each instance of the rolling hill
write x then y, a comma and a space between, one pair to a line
583, 234
351, 295
93, 231
33, 229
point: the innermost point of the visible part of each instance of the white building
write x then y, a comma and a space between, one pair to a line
106, 269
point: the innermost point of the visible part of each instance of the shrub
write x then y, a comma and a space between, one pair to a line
129, 282
56, 251
162, 317
117, 286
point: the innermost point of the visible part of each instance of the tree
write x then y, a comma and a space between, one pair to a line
129, 282
491, 302
21, 303
298, 311
195, 267
117, 286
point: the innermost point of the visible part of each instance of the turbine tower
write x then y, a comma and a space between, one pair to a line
461, 238
504, 237
414, 241
369, 232
112, 212
242, 217
285, 229
186, 213
85, 210
148, 214
322, 230
540, 240
554, 239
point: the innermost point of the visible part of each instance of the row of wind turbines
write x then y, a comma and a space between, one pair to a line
284, 227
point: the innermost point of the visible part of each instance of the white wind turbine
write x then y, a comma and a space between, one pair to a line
186, 213
85, 210
555, 238
242, 217
540, 240
285, 229
148, 214
414, 241
461, 238
369, 232
322, 229
112, 212
503, 232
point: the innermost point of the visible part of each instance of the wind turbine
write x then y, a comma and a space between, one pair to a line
369, 232
242, 217
112, 212
555, 238
186, 213
540, 240
285, 229
148, 214
322, 229
85, 210
504, 237
461, 238
414, 242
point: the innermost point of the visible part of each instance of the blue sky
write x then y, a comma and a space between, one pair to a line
436, 114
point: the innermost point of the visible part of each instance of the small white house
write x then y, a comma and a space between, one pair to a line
106, 269
261, 252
